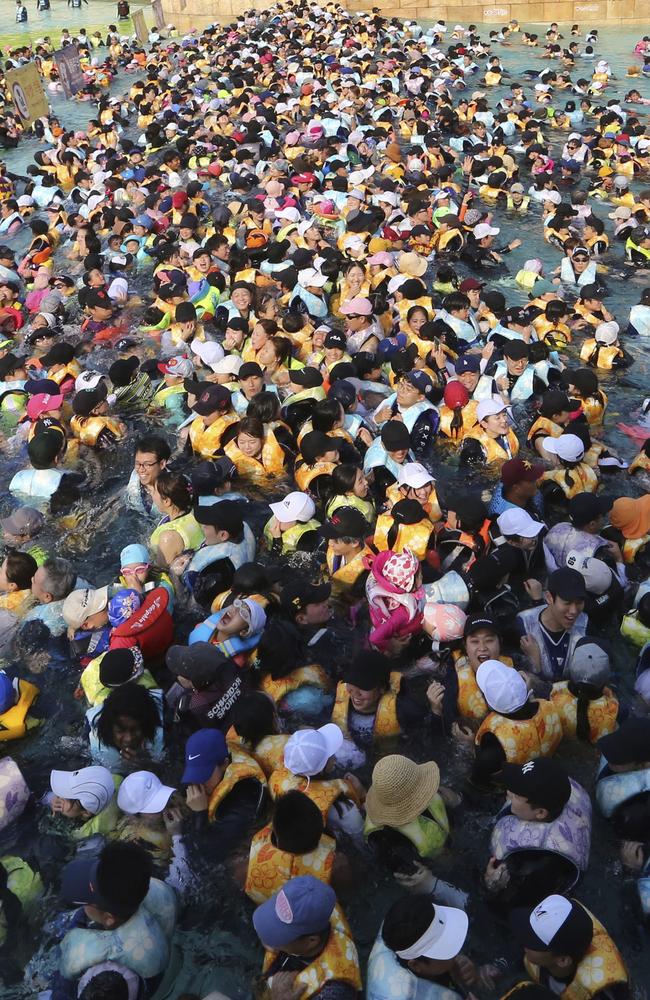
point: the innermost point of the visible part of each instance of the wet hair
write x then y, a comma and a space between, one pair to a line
326, 413
129, 700
343, 479
254, 717
153, 444
123, 876
106, 986
20, 568
60, 577
252, 426
297, 823
265, 406
406, 922
177, 488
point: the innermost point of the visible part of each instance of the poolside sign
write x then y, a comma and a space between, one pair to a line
140, 26
70, 71
24, 85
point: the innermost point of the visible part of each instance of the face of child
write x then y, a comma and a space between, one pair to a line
231, 622
70, 808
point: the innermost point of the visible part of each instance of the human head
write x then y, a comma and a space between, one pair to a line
17, 571
53, 581
296, 919
151, 456
110, 888
565, 596
555, 934
537, 790
426, 939
297, 823
128, 719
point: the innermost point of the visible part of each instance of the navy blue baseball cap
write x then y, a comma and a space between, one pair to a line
467, 363
35, 386
80, 887
421, 381
204, 750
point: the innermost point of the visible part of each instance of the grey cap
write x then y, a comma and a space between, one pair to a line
589, 663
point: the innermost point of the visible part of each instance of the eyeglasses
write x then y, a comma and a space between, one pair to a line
145, 465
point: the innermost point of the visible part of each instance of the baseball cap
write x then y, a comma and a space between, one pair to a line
59, 354
179, 365
250, 369
516, 350
308, 750
213, 399
470, 284
343, 391
557, 924
225, 515
23, 521
87, 380
92, 786
356, 307
489, 408
85, 401
585, 507
443, 938
120, 665
307, 377
209, 475
143, 792
315, 443
303, 906
80, 886
199, 662
590, 663
346, 522
337, 339
422, 382
296, 596
43, 402
467, 363
230, 364
568, 447
607, 333
520, 470
503, 687
543, 782
414, 475
484, 229
628, 744
204, 750
296, 506
82, 604
478, 621
518, 315
567, 584
515, 521
208, 351
597, 574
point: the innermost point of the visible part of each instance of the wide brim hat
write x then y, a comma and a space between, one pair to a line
400, 790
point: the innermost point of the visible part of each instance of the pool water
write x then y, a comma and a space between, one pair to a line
216, 948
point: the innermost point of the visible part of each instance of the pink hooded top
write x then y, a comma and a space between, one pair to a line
396, 610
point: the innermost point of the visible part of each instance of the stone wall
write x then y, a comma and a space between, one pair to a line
187, 14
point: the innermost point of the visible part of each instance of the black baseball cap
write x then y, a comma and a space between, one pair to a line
296, 596
543, 782
44, 448
476, 622
35, 386
557, 925
518, 315
315, 443
344, 392
86, 400
395, 436
97, 297
207, 476
346, 522
225, 515
336, 338
200, 662
367, 671
407, 512
516, 350
59, 354
586, 507
249, 369
122, 371
629, 744
307, 377
80, 884
567, 584
213, 399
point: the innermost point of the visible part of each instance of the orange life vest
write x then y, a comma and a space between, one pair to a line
525, 739
269, 867
602, 712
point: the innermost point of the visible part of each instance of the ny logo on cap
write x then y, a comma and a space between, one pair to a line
527, 768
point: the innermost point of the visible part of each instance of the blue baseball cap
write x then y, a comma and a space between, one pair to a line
421, 381
36, 386
204, 750
467, 363
7, 693
303, 906
389, 345
132, 554
145, 221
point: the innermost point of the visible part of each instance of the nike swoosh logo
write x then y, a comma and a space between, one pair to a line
190, 757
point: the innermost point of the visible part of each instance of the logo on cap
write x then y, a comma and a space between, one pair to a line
530, 766
283, 909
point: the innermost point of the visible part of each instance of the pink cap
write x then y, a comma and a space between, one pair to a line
383, 257
42, 403
362, 307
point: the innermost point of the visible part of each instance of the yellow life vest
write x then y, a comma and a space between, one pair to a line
24, 882
632, 547
599, 355
444, 239
556, 334
494, 453
492, 78
602, 966
166, 392
413, 536
525, 739
258, 470
242, 766
365, 507
593, 409
68, 371
347, 573
186, 526
602, 712
88, 429
405, 305
544, 427
386, 723
428, 832
291, 537
488, 193
522, 207
312, 675
471, 704
640, 463
337, 961
581, 479
269, 867
206, 441
305, 474
431, 508
14, 722
322, 791
468, 421
95, 691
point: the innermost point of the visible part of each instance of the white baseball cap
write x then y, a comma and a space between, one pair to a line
490, 407
414, 475
568, 447
143, 792
483, 230
443, 938
306, 225
396, 283
597, 574
288, 214
310, 276
87, 380
308, 751
229, 365
208, 351
516, 521
503, 687
92, 786
607, 333
553, 196
296, 506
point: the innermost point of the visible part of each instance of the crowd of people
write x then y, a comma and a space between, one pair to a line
312, 515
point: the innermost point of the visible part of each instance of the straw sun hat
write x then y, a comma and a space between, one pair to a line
400, 790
